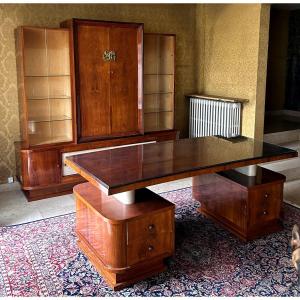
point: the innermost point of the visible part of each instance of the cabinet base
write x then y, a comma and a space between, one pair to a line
126, 277
52, 191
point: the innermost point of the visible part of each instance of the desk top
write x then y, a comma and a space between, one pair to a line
133, 167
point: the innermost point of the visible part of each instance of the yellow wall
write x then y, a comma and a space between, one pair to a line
178, 19
277, 59
220, 49
233, 42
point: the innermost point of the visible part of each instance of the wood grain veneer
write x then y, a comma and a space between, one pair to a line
125, 243
140, 166
108, 93
41, 167
248, 207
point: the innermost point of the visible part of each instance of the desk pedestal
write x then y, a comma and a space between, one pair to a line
125, 243
249, 207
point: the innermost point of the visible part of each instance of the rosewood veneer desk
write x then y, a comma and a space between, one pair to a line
127, 231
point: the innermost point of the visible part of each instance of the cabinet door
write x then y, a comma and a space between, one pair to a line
125, 42
93, 80
40, 167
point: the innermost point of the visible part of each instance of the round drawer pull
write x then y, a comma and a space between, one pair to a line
150, 248
267, 195
265, 212
151, 227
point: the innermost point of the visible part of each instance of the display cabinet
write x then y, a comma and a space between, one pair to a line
76, 96
159, 73
44, 85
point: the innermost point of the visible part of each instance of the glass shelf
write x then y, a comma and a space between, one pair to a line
157, 128
159, 53
56, 97
158, 111
58, 75
156, 74
159, 102
54, 131
159, 84
58, 118
158, 121
158, 93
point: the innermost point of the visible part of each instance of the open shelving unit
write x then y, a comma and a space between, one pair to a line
159, 74
47, 85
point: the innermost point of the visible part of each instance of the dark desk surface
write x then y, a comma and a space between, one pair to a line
133, 167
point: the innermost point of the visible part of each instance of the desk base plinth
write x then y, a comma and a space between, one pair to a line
251, 234
118, 281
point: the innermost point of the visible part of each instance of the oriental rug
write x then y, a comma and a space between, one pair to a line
42, 259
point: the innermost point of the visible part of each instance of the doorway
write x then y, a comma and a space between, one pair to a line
282, 106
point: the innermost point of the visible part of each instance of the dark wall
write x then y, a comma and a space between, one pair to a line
292, 100
277, 59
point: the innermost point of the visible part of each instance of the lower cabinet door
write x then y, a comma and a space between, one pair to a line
40, 167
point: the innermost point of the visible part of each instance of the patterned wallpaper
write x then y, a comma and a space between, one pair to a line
167, 18
233, 39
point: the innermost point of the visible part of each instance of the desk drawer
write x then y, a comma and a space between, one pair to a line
143, 249
265, 204
151, 226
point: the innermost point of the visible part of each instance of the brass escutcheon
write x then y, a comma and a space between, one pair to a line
109, 55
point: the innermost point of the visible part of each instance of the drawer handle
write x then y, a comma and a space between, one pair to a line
151, 227
267, 195
150, 248
265, 212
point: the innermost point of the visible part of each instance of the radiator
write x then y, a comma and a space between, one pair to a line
214, 117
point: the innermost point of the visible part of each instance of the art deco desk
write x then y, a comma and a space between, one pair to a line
127, 231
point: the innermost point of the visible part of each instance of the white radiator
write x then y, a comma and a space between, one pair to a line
214, 117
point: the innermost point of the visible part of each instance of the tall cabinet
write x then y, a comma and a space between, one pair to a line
82, 88
108, 72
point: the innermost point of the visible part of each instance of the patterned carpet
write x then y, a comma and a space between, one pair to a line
41, 259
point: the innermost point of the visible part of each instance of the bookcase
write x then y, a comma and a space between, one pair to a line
44, 85
159, 74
